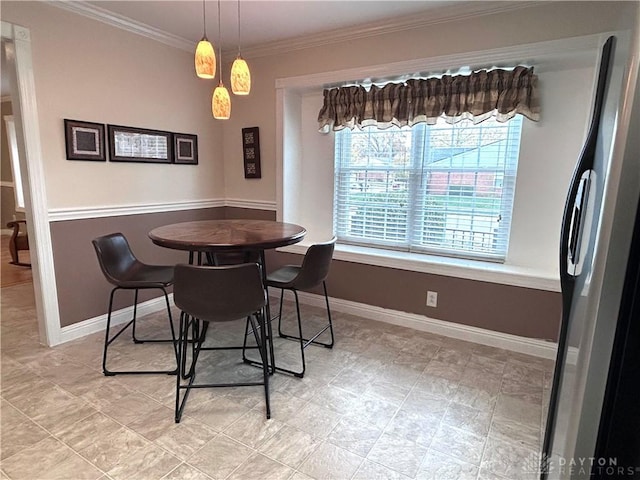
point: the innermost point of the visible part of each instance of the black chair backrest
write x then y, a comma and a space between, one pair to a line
115, 257
219, 293
316, 264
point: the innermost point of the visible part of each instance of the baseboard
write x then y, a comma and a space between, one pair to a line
98, 324
514, 343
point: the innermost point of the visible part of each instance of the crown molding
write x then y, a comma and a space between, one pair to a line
124, 23
453, 12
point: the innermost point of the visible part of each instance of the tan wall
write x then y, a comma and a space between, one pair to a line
83, 292
87, 70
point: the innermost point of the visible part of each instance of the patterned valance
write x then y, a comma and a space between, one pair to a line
486, 93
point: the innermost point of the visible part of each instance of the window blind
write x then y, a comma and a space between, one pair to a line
445, 189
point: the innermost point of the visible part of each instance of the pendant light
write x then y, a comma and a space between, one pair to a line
205, 57
221, 101
240, 75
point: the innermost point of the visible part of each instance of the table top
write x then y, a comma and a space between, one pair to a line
210, 235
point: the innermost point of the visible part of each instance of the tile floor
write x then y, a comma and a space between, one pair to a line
386, 403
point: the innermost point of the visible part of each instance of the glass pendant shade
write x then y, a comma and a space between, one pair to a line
240, 77
221, 103
205, 59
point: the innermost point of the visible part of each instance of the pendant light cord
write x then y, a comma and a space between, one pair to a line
219, 41
204, 19
238, 27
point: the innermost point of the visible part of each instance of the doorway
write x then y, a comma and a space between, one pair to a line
19, 78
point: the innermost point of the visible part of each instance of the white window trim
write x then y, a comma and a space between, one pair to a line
436, 265
287, 89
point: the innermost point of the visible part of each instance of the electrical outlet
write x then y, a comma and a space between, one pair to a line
432, 299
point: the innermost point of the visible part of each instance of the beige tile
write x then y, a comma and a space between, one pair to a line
392, 393
413, 427
474, 397
510, 461
283, 405
437, 386
373, 410
259, 467
489, 364
155, 423
219, 457
252, 429
398, 454
55, 409
514, 408
185, 472
218, 413
55, 461
443, 369
334, 398
290, 446
460, 444
89, 430
331, 462
315, 420
528, 392
512, 431
113, 448
185, 438
130, 408
437, 466
374, 471
17, 432
422, 403
354, 436
468, 418
149, 462
452, 356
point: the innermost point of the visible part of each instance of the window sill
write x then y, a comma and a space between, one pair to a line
514, 275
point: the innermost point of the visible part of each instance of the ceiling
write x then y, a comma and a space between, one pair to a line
271, 25
263, 21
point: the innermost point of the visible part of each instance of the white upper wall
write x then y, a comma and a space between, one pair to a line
86, 70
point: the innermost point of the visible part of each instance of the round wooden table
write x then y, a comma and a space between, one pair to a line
227, 235
220, 236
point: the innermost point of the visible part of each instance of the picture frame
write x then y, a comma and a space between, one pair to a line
139, 145
185, 149
84, 140
251, 152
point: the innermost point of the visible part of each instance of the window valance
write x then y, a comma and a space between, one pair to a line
500, 93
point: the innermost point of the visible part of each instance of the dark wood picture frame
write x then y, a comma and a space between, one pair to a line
185, 149
139, 145
84, 140
251, 152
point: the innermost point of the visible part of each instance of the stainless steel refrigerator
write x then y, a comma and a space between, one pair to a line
593, 423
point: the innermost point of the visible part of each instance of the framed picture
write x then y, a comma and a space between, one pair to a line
185, 148
251, 152
129, 144
84, 140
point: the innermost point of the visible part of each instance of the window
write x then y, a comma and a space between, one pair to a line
14, 157
444, 189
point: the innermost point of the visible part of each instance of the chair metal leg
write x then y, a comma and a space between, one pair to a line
198, 338
108, 341
305, 342
153, 340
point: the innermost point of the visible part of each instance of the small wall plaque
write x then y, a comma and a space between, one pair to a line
84, 140
251, 152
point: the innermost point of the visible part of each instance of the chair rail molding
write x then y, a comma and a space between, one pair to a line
25, 111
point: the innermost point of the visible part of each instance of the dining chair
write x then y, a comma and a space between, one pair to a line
312, 273
123, 270
222, 294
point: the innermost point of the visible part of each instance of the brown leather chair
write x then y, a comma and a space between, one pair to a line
19, 241
312, 273
123, 270
217, 294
